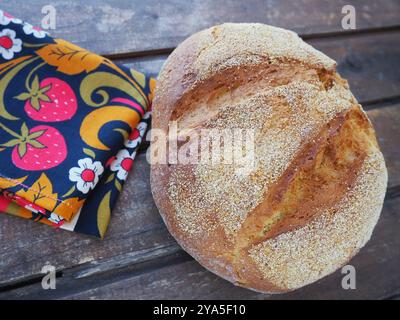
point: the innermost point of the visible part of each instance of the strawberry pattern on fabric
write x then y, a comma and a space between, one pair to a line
71, 122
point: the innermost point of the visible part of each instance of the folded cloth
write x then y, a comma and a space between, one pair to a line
71, 122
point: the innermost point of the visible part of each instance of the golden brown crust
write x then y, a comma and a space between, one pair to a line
319, 177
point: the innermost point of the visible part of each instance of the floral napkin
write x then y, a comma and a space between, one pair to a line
71, 122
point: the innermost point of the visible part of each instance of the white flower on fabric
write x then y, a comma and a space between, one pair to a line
86, 175
55, 218
135, 138
6, 18
9, 44
122, 163
35, 31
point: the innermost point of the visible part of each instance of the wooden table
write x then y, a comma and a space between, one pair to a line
139, 259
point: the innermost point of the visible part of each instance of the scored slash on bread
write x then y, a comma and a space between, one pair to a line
319, 180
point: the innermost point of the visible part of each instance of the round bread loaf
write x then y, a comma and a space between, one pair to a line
316, 186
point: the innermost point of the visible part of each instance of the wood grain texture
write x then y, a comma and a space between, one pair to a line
376, 267
126, 26
367, 62
386, 122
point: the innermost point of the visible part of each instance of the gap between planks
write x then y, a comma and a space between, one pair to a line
306, 37
359, 60
96, 278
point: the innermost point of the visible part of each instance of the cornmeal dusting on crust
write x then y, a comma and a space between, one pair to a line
187, 211
302, 256
238, 44
282, 118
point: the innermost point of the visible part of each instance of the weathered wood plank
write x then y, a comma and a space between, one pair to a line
376, 267
386, 121
367, 62
126, 26
136, 226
